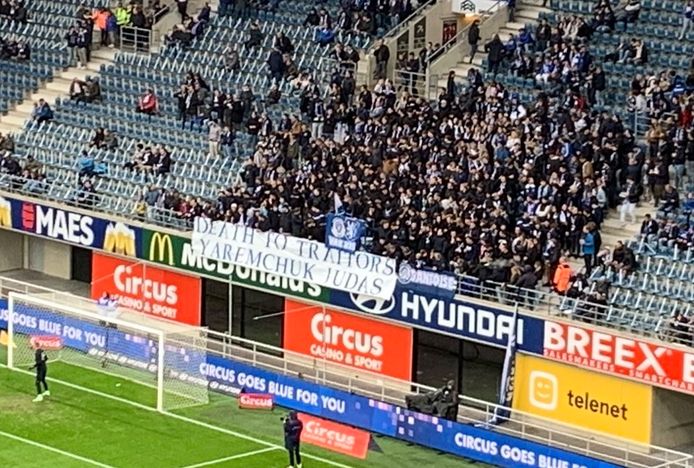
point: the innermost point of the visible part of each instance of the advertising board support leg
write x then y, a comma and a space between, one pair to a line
231, 307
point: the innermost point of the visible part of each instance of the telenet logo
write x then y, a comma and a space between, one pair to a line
543, 389
583, 398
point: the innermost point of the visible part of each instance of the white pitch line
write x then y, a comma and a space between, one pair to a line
182, 418
53, 449
233, 457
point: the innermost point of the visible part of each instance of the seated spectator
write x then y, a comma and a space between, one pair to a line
148, 103
98, 138
42, 112
670, 199
325, 36
232, 61
255, 35
180, 36
23, 52
86, 194
9, 165
311, 18
86, 164
162, 163
78, 90
6, 143
629, 13
92, 90
110, 141
273, 95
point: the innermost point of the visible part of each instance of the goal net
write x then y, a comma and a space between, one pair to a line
160, 357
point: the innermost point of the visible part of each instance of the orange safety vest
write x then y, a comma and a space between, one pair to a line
562, 277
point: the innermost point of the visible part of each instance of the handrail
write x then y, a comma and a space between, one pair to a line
405, 23
376, 386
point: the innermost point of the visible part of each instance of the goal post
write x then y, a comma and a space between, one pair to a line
159, 357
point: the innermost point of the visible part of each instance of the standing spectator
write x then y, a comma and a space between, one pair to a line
495, 53
630, 197
182, 8
213, 136
687, 14
382, 54
276, 65
82, 43
562, 276
511, 5
588, 248
473, 38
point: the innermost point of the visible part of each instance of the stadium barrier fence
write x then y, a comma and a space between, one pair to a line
233, 354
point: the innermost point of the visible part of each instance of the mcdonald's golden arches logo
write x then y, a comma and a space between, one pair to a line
161, 249
120, 239
5, 213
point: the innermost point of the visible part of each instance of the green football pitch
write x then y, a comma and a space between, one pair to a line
79, 428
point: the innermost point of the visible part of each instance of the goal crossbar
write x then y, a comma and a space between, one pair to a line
118, 329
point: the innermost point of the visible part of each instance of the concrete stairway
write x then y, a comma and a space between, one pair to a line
14, 121
527, 12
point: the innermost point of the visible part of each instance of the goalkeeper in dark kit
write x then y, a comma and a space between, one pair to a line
40, 359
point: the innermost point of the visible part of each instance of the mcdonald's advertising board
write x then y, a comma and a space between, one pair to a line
72, 227
590, 400
144, 288
348, 339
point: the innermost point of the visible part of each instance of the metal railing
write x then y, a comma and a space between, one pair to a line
376, 386
580, 309
456, 49
137, 40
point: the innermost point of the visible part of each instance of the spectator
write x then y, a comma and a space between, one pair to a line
588, 248
495, 50
213, 137
630, 13
42, 112
630, 197
473, 38
6, 143
382, 54
255, 35
276, 65
671, 199
562, 276
148, 103
687, 15
78, 90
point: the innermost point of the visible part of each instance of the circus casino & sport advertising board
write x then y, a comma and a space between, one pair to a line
348, 339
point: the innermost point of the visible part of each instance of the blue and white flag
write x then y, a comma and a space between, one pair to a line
508, 376
343, 232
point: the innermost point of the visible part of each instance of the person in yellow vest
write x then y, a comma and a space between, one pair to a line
123, 15
562, 276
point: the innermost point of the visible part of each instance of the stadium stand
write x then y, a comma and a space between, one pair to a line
255, 116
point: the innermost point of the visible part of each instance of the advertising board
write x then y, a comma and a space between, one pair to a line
261, 401
334, 436
71, 227
229, 377
454, 316
614, 406
147, 289
348, 339
661, 365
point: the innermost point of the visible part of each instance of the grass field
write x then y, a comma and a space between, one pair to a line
76, 428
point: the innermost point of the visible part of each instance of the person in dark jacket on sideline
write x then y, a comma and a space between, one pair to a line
292, 438
495, 53
473, 38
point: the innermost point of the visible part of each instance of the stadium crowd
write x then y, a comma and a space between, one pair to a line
478, 183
